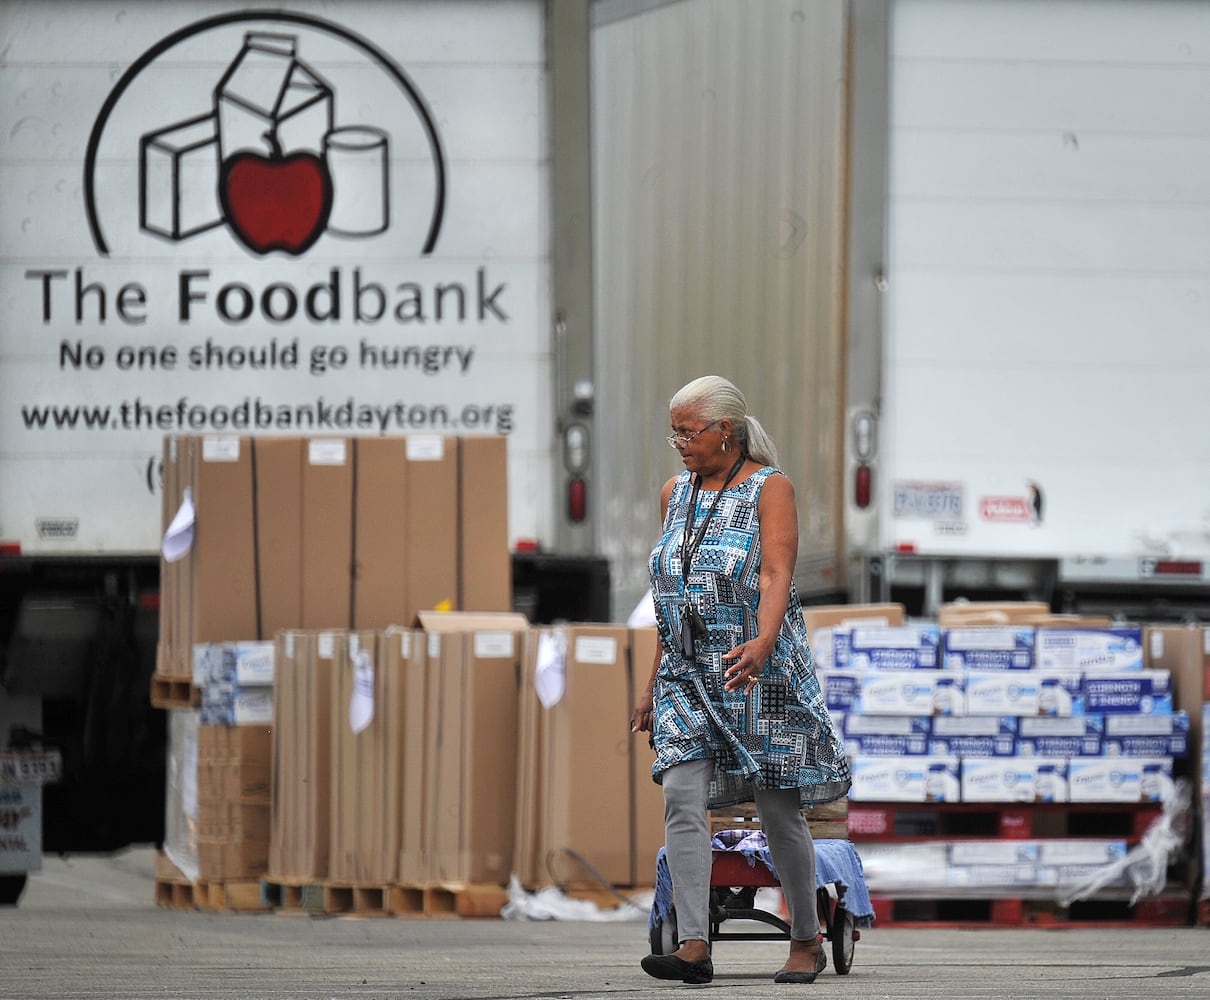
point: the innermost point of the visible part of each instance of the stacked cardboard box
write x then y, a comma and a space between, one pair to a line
329, 532
1013, 711
588, 811
233, 789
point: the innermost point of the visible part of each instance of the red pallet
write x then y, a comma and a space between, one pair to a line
1169, 910
884, 821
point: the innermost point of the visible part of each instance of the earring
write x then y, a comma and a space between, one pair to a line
724, 444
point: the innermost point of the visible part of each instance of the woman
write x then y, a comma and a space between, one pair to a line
733, 705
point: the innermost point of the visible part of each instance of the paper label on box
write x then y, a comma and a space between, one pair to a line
1156, 644
327, 451
424, 447
220, 448
596, 649
434, 644
354, 644
405, 644
494, 645
290, 645
325, 645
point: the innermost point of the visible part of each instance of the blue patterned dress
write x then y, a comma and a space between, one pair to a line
780, 734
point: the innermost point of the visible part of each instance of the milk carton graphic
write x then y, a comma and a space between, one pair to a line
268, 160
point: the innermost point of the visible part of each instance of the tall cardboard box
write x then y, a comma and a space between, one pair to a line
484, 563
399, 648
222, 559
584, 772
417, 651
299, 844
327, 533
432, 521
356, 762
278, 468
472, 693
380, 553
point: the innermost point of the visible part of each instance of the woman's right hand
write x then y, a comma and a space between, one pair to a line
641, 717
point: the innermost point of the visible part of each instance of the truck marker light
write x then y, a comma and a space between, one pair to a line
863, 478
577, 500
10, 548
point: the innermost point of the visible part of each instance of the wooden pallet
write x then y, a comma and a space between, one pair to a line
904, 821
174, 692
332, 898
229, 895
826, 822
1170, 909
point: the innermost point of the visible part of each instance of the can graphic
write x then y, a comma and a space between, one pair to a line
357, 158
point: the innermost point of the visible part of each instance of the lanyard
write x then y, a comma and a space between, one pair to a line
689, 548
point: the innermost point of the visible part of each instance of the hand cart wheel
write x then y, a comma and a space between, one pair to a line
844, 936
663, 935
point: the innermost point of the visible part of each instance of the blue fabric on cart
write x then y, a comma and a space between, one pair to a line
835, 861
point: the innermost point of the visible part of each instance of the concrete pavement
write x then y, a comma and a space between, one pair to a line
88, 927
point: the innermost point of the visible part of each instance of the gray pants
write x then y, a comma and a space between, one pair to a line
687, 848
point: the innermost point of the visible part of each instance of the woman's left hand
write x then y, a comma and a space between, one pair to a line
749, 662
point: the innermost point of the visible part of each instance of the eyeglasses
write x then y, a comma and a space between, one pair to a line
680, 440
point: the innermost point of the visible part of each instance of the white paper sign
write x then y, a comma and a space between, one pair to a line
550, 672
178, 539
361, 704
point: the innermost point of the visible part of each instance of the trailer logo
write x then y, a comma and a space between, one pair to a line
259, 148
1025, 509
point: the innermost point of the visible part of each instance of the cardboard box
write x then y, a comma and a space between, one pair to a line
472, 799
1098, 650
1002, 692
1004, 647
897, 647
972, 736
484, 561
586, 732
1120, 779
841, 689
327, 537
1147, 735
279, 532
1060, 736
886, 735
999, 779
908, 779
910, 692
1144, 692
302, 702
380, 552
970, 613
432, 522
829, 624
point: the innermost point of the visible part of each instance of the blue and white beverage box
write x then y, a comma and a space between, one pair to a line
841, 689
910, 692
891, 647
1105, 650
1060, 736
1143, 692
1014, 779
1120, 779
1147, 735
973, 736
999, 647
886, 735
904, 779
1002, 692
1060, 693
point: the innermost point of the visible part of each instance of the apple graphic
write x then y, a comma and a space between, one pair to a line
275, 202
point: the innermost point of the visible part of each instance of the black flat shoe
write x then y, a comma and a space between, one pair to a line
785, 976
671, 967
